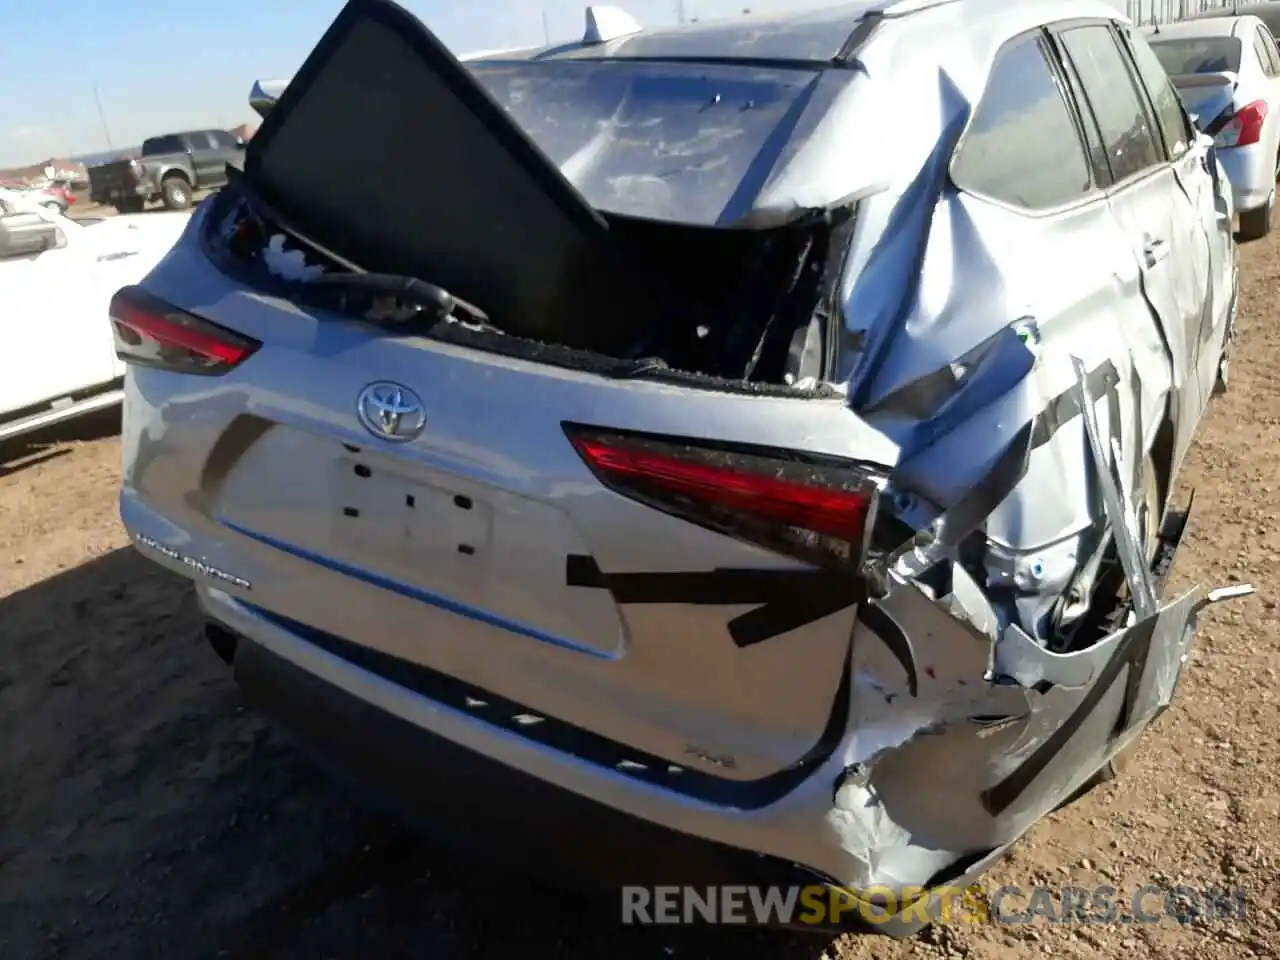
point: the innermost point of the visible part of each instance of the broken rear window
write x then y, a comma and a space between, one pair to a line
664, 141
492, 183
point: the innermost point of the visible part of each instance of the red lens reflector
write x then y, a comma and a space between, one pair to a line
815, 508
152, 333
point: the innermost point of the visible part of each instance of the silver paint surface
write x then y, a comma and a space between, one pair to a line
938, 284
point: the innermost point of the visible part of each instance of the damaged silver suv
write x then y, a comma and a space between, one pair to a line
747, 454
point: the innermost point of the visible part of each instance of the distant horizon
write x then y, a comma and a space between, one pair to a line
105, 156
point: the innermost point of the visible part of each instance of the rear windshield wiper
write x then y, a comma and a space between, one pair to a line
396, 299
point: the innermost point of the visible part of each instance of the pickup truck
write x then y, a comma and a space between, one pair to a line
57, 352
169, 168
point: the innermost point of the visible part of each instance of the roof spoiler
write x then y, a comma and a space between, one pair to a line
265, 93
608, 23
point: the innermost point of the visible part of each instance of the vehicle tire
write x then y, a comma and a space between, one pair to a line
1148, 510
176, 193
53, 207
1256, 224
132, 205
1221, 379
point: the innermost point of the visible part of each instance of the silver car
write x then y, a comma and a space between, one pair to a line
1227, 70
748, 455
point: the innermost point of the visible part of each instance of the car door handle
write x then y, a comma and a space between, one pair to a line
1154, 250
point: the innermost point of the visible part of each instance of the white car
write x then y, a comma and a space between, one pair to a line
1227, 70
57, 356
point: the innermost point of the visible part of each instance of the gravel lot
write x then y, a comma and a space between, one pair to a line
144, 813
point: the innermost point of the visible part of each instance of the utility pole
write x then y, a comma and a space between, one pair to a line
680, 11
546, 29
106, 131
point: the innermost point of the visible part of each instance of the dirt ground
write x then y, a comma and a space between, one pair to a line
144, 813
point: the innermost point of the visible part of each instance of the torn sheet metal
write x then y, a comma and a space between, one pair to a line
920, 693
962, 741
1124, 524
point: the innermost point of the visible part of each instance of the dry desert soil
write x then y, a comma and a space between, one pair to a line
144, 812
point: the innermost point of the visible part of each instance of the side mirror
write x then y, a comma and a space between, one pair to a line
25, 235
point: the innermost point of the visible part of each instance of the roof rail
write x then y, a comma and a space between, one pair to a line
608, 23
480, 54
899, 8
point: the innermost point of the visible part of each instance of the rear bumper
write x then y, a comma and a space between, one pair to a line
466, 799
1251, 171
469, 802
533, 824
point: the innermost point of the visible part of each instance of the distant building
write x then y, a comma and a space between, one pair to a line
66, 171
245, 131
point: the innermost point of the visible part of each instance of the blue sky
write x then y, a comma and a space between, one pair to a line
172, 65
177, 64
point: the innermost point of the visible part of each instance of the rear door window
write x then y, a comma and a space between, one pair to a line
1095, 148
1265, 46
158, 145
1022, 146
1170, 116
1128, 132
1273, 53
1260, 53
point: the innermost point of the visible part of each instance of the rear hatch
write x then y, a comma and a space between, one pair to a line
591, 501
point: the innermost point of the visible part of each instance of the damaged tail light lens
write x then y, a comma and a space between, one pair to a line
152, 333
818, 510
1244, 128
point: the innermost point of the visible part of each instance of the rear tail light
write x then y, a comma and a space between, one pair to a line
820, 510
151, 333
1245, 126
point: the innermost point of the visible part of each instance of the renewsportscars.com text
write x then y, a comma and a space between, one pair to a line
831, 906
